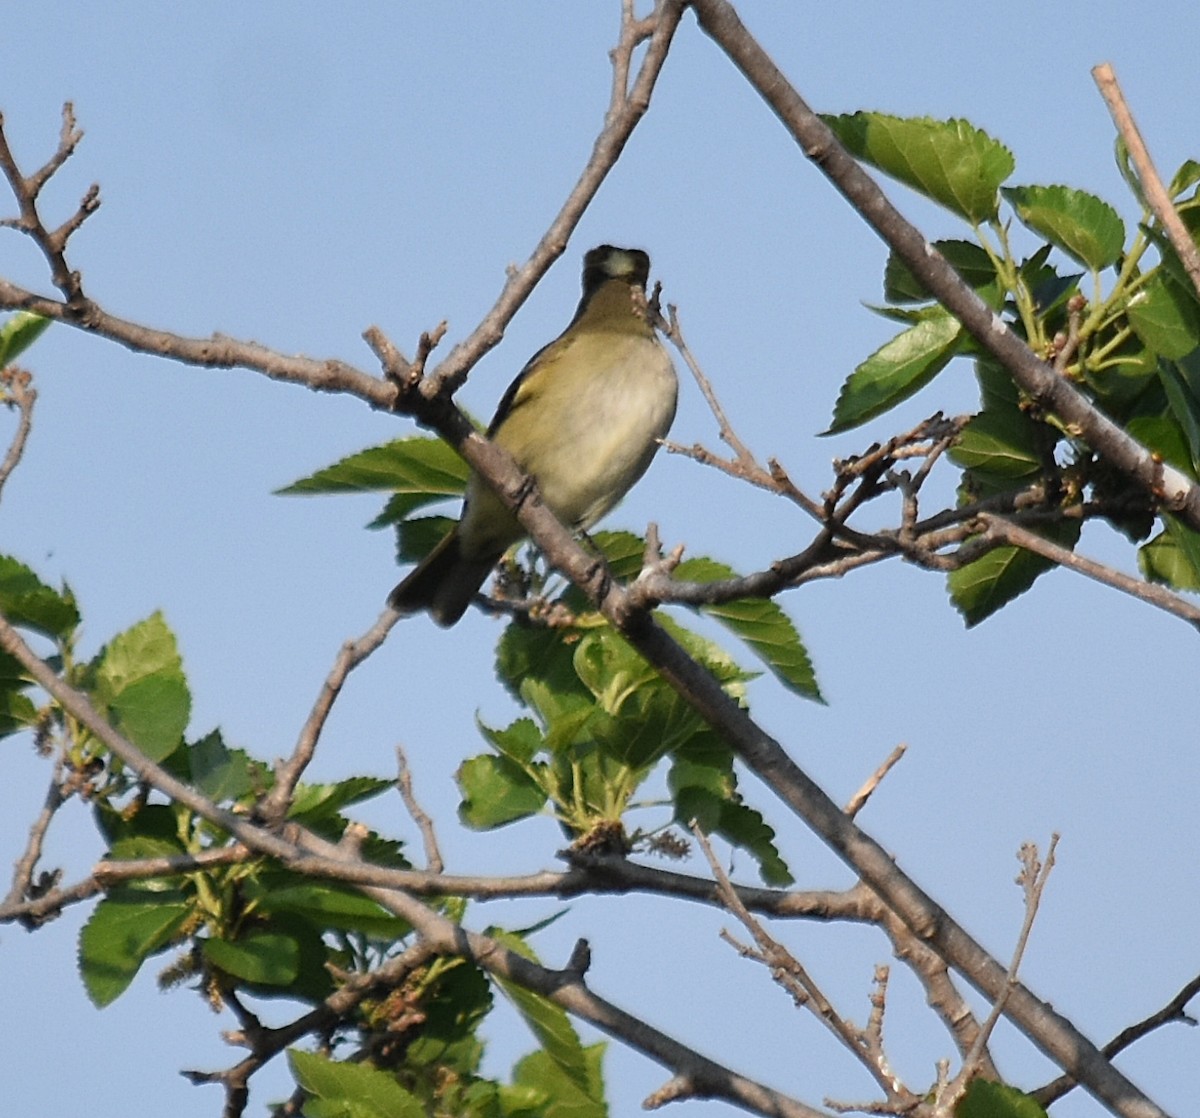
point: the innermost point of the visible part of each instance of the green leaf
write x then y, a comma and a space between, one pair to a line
950, 161
324, 905
321, 801
1085, 227
139, 683
967, 258
1187, 176
737, 823
1002, 442
264, 958
221, 774
1164, 435
622, 551
519, 741
566, 1099
985, 1099
547, 1021
981, 588
420, 470
418, 536
762, 624
1165, 317
126, 928
1183, 404
358, 1086
18, 333
30, 603
496, 791
1173, 556
17, 711
896, 371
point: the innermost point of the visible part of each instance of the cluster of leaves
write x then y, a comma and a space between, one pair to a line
601, 719
1130, 330
252, 928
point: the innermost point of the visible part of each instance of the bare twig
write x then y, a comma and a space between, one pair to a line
22, 880
16, 390
1032, 879
1174, 1010
287, 773
1155, 193
433, 853
865, 1045
859, 799
627, 106
52, 243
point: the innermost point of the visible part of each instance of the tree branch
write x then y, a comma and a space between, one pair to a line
1165, 483
1155, 193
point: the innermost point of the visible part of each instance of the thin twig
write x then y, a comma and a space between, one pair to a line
792, 976
433, 853
627, 106
1155, 193
287, 773
1174, 1010
859, 799
16, 389
1032, 879
1005, 531
22, 880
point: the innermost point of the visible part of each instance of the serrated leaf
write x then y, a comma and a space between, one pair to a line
565, 1098
357, 1085
1164, 315
140, 684
220, 773
985, 1099
622, 551
126, 928
418, 536
496, 791
738, 824
17, 711
967, 258
989, 583
1085, 227
950, 161
263, 958
18, 332
30, 603
896, 371
547, 1021
420, 470
519, 741
767, 631
312, 801
1001, 442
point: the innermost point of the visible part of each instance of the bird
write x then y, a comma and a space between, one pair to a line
583, 418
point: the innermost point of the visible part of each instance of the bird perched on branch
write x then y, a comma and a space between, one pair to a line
583, 419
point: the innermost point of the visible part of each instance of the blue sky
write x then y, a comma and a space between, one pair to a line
280, 173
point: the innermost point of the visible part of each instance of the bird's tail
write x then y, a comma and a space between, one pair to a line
444, 583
